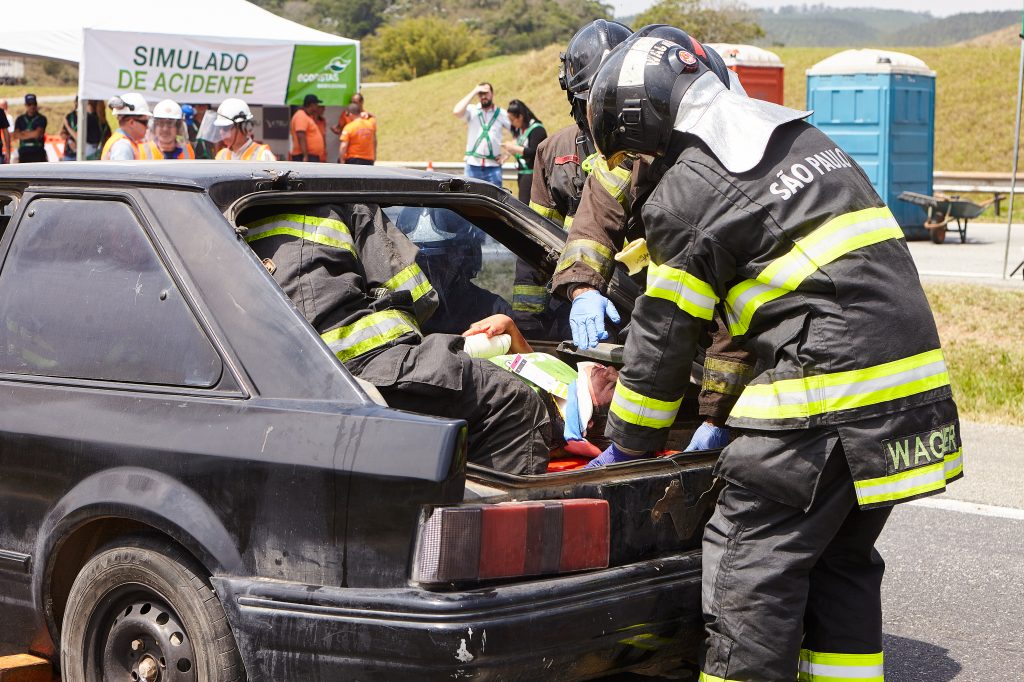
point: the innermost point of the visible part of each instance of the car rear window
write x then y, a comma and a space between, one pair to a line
84, 294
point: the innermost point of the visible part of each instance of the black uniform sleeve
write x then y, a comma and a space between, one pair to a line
685, 282
388, 258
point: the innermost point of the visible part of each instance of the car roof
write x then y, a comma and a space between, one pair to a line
207, 174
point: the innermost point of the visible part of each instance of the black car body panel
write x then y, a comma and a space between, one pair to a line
300, 496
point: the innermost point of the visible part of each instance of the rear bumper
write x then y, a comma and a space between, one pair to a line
642, 617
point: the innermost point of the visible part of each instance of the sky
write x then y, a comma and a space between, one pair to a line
940, 8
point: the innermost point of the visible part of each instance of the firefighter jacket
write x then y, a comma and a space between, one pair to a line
811, 273
349, 271
605, 222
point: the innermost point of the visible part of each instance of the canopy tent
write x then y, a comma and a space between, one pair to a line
194, 50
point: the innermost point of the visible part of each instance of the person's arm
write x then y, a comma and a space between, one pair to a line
6, 134
68, 129
682, 292
541, 199
342, 148
18, 130
496, 325
459, 110
39, 132
300, 136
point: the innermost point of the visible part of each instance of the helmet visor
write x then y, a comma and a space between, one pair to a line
211, 130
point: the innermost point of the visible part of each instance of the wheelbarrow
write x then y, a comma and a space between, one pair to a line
943, 209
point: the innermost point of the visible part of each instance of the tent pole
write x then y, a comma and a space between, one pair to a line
1016, 154
83, 128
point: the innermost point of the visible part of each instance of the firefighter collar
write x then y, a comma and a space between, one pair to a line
736, 128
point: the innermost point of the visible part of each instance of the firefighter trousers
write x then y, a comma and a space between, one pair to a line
509, 424
789, 594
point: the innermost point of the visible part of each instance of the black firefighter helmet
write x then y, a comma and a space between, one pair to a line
582, 59
711, 59
635, 96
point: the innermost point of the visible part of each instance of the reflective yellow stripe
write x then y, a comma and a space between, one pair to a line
825, 244
615, 181
691, 294
567, 223
594, 255
794, 398
704, 677
638, 409
549, 213
727, 377
410, 279
369, 332
324, 231
906, 484
529, 298
822, 667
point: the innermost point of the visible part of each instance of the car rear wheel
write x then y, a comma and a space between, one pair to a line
143, 610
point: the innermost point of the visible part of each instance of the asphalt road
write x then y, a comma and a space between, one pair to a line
979, 260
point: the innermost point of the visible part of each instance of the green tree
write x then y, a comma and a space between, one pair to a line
710, 21
409, 48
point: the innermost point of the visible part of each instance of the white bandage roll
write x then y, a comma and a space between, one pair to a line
482, 346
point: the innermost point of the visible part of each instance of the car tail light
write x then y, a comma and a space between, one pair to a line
512, 539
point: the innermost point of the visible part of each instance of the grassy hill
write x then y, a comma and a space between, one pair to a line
976, 90
819, 26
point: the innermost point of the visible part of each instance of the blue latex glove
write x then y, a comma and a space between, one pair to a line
573, 428
612, 455
708, 437
586, 319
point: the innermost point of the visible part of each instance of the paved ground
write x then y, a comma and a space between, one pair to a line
980, 260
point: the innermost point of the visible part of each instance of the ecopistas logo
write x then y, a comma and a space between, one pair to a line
331, 72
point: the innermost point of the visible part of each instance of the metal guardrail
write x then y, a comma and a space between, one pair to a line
974, 181
955, 182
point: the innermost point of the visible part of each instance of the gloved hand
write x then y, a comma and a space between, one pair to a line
613, 455
708, 437
573, 428
586, 319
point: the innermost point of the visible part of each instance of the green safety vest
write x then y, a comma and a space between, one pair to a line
521, 141
485, 129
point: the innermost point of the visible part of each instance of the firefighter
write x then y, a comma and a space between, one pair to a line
560, 167
169, 133
353, 275
604, 209
763, 216
126, 143
234, 122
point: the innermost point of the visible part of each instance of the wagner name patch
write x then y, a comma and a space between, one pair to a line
920, 449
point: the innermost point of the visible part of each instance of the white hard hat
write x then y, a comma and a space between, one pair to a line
129, 104
167, 108
232, 111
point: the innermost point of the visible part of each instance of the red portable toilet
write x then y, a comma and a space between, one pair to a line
759, 71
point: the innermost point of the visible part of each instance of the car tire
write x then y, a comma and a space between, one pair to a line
143, 609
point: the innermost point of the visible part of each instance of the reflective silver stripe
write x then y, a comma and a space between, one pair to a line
690, 294
594, 255
318, 230
410, 279
842, 672
369, 332
632, 71
640, 410
818, 394
828, 242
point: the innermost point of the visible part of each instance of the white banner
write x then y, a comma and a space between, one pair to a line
182, 68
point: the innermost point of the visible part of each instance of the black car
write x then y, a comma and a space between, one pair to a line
192, 487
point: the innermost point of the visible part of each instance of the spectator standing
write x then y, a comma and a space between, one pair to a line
126, 143
98, 109
483, 139
347, 116
170, 136
307, 138
358, 139
235, 123
30, 132
529, 133
8, 148
69, 131
5, 137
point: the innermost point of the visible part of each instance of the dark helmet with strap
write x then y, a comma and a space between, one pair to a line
634, 98
711, 59
650, 88
583, 57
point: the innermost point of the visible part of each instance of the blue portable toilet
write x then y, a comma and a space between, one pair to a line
879, 107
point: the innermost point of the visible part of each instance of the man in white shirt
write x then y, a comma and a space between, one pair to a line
483, 140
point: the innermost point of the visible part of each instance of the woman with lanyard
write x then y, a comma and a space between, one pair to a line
529, 134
